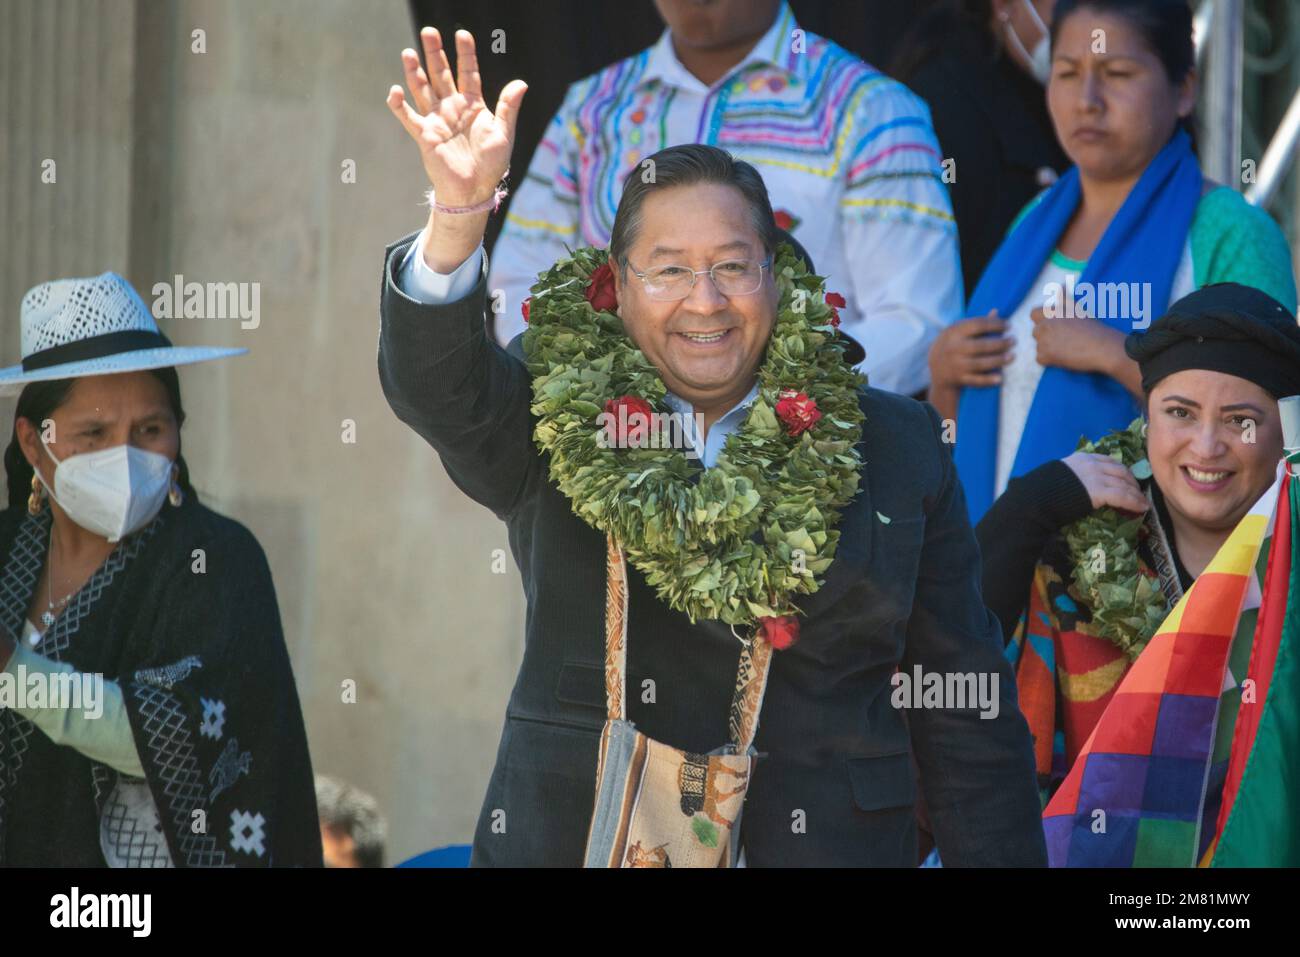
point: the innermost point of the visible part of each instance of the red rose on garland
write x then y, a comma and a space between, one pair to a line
600, 289
797, 412
836, 302
523, 307
784, 220
781, 632
629, 426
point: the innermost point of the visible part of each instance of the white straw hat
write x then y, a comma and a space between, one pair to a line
93, 326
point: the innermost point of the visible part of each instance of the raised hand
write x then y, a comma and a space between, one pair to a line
1108, 482
464, 146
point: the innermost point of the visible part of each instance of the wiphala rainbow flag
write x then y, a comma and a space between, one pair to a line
1194, 760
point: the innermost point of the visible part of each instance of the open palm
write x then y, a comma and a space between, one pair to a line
465, 147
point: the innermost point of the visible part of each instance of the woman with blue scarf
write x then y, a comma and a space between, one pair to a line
1131, 227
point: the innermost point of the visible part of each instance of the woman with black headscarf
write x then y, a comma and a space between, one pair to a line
1083, 558
148, 714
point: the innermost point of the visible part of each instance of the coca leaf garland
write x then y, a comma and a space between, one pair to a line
757, 528
1126, 602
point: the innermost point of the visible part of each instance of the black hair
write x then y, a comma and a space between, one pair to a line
36, 403
684, 166
1164, 25
345, 809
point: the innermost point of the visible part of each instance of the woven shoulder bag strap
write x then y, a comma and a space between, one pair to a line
751, 673
1161, 554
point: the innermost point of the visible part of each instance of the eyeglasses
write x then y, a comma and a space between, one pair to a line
732, 277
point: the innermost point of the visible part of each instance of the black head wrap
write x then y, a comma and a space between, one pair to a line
1225, 327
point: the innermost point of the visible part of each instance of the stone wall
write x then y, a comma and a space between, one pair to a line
228, 166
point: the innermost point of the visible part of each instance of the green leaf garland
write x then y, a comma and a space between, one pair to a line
1127, 604
757, 528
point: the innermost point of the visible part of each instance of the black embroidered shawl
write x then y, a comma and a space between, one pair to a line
183, 616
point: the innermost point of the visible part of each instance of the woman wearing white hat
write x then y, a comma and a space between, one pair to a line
148, 713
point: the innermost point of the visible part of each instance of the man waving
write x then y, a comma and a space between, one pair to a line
779, 584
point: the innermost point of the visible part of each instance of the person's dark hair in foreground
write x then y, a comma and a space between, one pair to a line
352, 829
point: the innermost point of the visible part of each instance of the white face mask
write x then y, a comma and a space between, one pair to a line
112, 492
1040, 61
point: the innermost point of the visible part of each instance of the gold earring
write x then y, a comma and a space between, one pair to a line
174, 494
34, 500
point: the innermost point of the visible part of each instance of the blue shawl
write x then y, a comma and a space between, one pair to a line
1143, 243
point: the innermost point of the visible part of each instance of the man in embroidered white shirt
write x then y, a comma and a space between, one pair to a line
848, 155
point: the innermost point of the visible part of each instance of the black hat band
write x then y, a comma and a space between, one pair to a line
96, 347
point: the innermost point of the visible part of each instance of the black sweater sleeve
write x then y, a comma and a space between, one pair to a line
1014, 532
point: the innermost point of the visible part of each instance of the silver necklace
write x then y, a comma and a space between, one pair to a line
48, 616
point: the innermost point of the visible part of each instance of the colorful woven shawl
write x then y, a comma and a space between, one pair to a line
1065, 674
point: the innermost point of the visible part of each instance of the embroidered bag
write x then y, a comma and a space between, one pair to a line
657, 806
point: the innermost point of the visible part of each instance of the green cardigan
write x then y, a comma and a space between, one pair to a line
1232, 241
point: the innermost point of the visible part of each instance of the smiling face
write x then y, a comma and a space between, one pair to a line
707, 347
1198, 443
1112, 103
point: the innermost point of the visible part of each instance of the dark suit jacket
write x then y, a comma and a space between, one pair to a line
836, 785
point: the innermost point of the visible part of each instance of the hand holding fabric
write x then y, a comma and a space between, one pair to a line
971, 352
1076, 342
